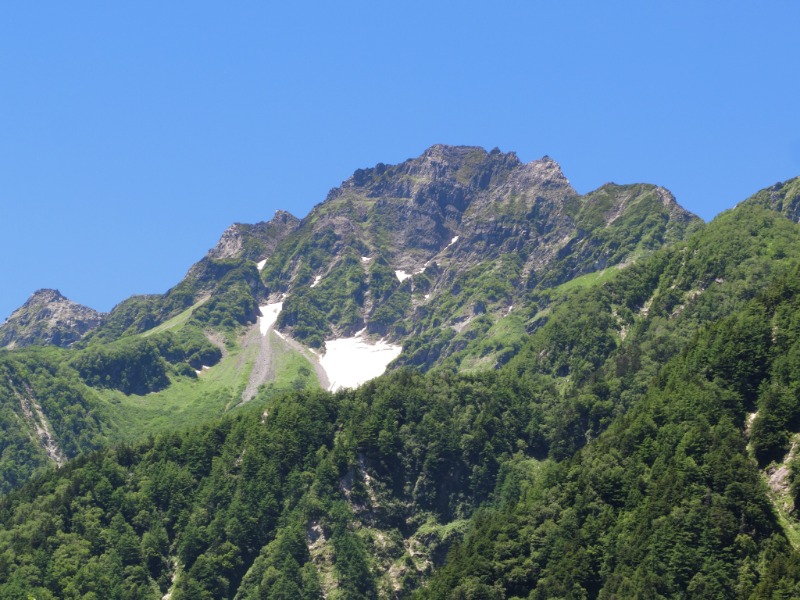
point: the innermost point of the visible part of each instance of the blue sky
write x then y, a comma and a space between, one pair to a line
132, 136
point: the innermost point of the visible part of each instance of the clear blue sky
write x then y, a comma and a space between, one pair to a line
133, 134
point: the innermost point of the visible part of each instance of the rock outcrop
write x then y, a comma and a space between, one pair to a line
254, 242
48, 318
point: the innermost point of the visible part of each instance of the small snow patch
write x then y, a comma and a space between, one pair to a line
316, 280
427, 296
453, 241
261, 264
269, 314
366, 258
402, 275
349, 362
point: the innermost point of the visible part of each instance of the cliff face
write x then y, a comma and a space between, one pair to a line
254, 242
421, 247
48, 318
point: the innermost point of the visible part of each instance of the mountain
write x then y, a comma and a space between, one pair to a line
449, 259
418, 250
433, 255
594, 396
47, 317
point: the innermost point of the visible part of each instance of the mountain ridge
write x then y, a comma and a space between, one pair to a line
430, 217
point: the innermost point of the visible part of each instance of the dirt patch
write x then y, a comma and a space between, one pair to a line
264, 366
218, 340
34, 414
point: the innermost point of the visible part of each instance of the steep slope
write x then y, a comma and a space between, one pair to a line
783, 197
420, 249
47, 317
224, 286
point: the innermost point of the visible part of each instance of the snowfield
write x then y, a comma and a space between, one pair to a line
269, 314
349, 362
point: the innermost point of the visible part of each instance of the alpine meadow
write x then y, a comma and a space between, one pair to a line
455, 378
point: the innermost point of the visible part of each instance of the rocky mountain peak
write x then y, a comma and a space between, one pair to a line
229, 244
47, 317
465, 168
254, 242
45, 295
456, 157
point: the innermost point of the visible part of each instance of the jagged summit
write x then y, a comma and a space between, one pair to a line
254, 242
467, 168
45, 295
415, 243
47, 317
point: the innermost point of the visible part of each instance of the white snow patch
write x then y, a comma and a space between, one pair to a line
269, 314
316, 280
349, 362
366, 258
261, 264
427, 296
280, 335
402, 275
453, 241
422, 270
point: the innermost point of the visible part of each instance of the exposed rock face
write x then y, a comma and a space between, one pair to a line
254, 242
48, 318
421, 204
493, 202
466, 232
782, 197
